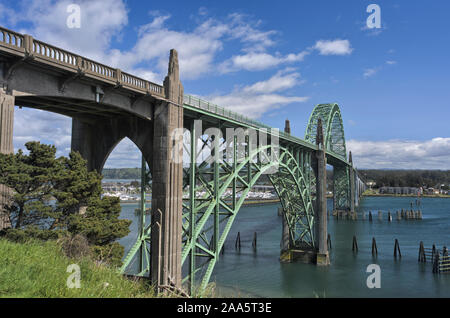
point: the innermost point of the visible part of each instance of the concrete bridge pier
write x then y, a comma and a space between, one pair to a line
319, 253
286, 243
6, 147
321, 232
167, 188
352, 194
95, 139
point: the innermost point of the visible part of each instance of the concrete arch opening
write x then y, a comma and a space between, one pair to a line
126, 184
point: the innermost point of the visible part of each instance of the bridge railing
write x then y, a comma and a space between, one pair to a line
215, 109
11, 39
23, 45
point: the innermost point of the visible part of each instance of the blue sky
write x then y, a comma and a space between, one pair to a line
271, 61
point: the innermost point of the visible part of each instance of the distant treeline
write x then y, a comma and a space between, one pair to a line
122, 173
382, 178
407, 178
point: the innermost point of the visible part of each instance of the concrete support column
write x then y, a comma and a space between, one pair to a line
285, 235
352, 183
321, 200
6, 147
167, 174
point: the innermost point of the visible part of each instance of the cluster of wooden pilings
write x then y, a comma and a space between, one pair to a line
399, 215
439, 259
375, 247
237, 244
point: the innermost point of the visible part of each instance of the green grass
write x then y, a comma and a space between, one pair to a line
39, 269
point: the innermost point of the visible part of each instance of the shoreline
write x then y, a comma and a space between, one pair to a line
247, 202
272, 201
436, 196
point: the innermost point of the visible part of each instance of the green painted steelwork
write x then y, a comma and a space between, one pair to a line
333, 128
142, 245
221, 172
214, 209
334, 138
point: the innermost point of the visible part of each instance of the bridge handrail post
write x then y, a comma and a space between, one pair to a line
118, 76
80, 64
27, 44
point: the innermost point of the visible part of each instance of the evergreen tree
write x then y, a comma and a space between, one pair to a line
52, 196
31, 179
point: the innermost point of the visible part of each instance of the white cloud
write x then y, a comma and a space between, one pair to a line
280, 81
125, 155
333, 47
39, 125
260, 60
101, 22
400, 154
197, 49
369, 72
261, 97
254, 61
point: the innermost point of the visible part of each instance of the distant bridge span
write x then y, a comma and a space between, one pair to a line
186, 235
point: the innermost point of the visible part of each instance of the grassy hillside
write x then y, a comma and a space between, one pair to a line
39, 269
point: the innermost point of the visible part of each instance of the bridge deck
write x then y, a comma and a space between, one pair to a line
25, 47
234, 119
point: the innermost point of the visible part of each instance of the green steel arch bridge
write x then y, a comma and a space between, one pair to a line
214, 193
203, 159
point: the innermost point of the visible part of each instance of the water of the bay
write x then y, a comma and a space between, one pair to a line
260, 274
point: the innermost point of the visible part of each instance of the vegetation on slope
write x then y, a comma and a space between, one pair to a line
52, 197
39, 269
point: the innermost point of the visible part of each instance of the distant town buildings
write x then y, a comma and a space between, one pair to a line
400, 190
412, 190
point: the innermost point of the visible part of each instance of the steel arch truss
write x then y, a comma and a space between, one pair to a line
341, 187
333, 128
216, 188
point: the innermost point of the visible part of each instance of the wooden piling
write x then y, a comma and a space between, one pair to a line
389, 216
397, 248
355, 244
380, 215
399, 217
374, 247
254, 242
237, 244
329, 241
370, 216
422, 257
436, 263
280, 211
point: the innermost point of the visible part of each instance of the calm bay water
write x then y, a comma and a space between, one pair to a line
261, 274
